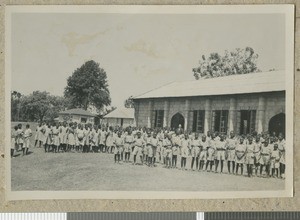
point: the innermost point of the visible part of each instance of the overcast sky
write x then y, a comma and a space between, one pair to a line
138, 52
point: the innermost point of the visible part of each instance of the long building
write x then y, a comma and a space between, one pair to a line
241, 103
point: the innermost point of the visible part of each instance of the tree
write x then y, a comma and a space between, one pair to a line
42, 106
16, 98
239, 61
88, 86
36, 105
129, 102
58, 104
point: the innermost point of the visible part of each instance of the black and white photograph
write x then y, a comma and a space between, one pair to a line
149, 101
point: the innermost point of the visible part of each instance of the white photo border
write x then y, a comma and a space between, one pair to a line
287, 10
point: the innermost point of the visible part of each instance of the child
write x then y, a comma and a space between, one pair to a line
138, 148
71, 136
128, 143
55, 136
211, 153
86, 146
240, 152
176, 142
63, 137
231, 144
80, 138
281, 148
102, 139
20, 138
152, 151
195, 151
275, 157
27, 135
250, 148
185, 146
13, 141
168, 150
256, 153
110, 140
220, 150
203, 152
147, 148
265, 157
119, 142
38, 134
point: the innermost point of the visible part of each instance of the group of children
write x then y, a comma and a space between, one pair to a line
259, 154
20, 139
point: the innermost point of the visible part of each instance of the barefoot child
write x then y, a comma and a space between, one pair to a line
152, 151
128, 143
220, 150
281, 148
138, 148
13, 141
55, 136
275, 157
203, 152
265, 157
195, 151
250, 148
185, 148
119, 143
168, 150
231, 144
27, 135
240, 152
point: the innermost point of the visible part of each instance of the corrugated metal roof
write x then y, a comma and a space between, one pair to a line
121, 113
77, 111
234, 84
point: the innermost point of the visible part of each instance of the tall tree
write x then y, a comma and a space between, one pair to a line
88, 86
239, 61
129, 102
16, 98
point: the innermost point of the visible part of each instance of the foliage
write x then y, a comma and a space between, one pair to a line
129, 102
16, 98
88, 86
239, 61
36, 106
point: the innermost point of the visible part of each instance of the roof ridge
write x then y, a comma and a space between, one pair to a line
155, 89
234, 84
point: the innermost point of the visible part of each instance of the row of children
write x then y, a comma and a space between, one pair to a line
256, 152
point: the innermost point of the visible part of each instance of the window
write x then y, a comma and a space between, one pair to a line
122, 121
198, 121
159, 118
247, 124
83, 120
220, 121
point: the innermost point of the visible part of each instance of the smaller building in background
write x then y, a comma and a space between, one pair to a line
120, 117
77, 115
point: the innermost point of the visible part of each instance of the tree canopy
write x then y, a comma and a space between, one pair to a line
36, 106
239, 61
129, 102
88, 86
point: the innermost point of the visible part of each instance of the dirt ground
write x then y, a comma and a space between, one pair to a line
97, 171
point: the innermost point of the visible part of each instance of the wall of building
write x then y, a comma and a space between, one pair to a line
266, 105
76, 118
117, 122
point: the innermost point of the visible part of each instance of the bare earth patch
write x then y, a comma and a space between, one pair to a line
97, 171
